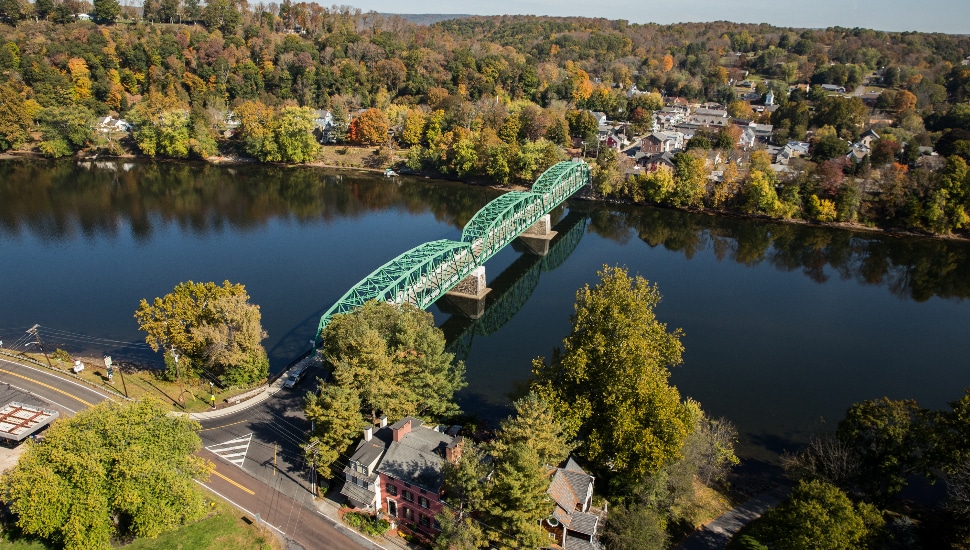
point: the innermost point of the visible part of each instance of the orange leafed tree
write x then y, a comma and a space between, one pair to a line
668, 63
370, 128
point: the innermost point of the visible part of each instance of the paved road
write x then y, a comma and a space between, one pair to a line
258, 449
299, 520
62, 394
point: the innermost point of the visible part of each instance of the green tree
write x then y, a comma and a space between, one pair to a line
609, 383
657, 185
293, 133
819, 516
458, 533
210, 327
846, 115
516, 499
335, 413
394, 358
635, 527
66, 129
888, 438
690, 181
106, 12
608, 179
536, 426
115, 470
15, 121
758, 194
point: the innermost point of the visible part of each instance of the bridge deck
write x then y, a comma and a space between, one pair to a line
425, 273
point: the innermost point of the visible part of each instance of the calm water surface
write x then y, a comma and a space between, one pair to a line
785, 326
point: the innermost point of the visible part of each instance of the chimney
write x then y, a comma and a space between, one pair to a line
453, 450
403, 430
368, 433
383, 420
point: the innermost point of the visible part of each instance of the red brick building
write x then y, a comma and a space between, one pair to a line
396, 471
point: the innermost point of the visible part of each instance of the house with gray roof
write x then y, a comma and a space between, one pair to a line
396, 470
574, 522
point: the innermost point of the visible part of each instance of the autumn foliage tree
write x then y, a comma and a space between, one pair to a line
212, 328
370, 128
115, 470
608, 385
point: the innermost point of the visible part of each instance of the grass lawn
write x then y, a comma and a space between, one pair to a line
349, 156
142, 382
224, 529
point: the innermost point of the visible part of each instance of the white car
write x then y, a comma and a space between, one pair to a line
294, 378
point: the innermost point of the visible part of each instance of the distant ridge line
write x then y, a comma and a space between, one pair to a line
428, 19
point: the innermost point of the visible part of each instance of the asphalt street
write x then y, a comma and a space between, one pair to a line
59, 393
260, 468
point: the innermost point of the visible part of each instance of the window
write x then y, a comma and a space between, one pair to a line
408, 513
422, 502
391, 490
407, 495
424, 520
391, 508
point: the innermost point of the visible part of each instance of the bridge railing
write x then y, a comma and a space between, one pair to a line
423, 274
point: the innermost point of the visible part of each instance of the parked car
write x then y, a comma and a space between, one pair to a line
294, 378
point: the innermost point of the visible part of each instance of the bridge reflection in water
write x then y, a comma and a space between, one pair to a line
512, 288
425, 273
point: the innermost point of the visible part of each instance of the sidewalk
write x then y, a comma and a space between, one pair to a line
259, 396
717, 533
263, 395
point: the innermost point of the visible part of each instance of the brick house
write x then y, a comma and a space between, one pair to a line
396, 472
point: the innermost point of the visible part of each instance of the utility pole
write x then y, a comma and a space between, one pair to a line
178, 373
33, 330
312, 449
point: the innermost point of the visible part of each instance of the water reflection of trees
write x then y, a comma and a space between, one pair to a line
913, 268
57, 199
54, 199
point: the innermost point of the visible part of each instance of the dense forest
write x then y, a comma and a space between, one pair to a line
502, 98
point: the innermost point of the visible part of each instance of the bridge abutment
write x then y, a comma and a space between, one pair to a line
538, 237
469, 295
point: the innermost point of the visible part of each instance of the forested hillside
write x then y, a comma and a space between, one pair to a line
501, 98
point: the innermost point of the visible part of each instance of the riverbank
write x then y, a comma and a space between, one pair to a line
354, 158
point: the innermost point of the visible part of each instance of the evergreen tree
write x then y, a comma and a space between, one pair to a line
516, 499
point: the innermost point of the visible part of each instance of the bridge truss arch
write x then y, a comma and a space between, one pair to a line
426, 272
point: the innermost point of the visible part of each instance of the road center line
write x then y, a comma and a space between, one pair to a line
74, 397
248, 490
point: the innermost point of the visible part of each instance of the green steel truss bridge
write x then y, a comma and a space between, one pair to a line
426, 272
512, 288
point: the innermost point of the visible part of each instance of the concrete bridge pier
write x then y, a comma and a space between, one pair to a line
538, 237
469, 295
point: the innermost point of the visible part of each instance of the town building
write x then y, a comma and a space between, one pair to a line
396, 472
574, 522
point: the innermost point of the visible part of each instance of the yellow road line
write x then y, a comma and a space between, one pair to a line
223, 426
250, 491
74, 397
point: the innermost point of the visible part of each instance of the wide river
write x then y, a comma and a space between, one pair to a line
785, 326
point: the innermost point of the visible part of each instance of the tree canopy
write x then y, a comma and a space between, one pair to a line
388, 360
213, 330
608, 384
113, 470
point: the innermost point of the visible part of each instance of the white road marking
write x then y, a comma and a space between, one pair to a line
229, 450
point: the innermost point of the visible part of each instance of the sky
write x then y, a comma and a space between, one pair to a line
947, 16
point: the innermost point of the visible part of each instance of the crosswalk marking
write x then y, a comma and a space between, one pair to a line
234, 450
